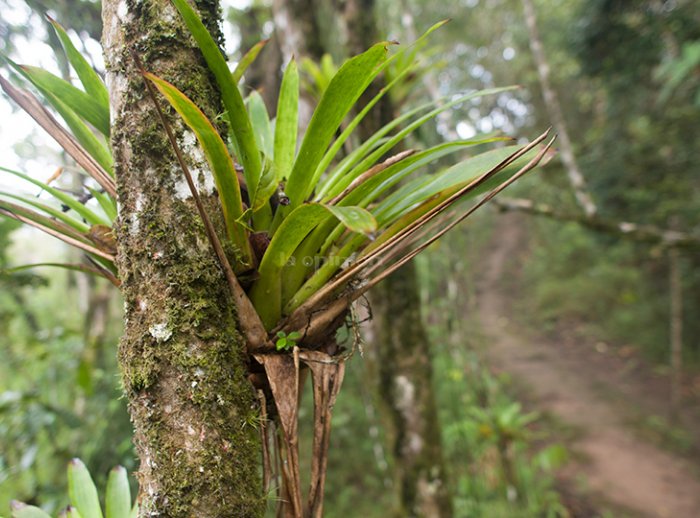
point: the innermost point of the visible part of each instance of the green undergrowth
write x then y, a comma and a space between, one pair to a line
502, 457
603, 289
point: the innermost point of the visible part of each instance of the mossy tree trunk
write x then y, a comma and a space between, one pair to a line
183, 361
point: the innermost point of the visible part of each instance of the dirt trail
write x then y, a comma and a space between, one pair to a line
620, 467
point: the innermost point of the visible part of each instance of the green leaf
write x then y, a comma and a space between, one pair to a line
382, 183
324, 273
407, 199
73, 267
323, 186
73, 118
50, 223
344, 90
247, 60
21, 510
328, 233
355, 218
421, 189
286, 123
118, 494
108, 204
266, 293
218, 157
351, 160
83, 104
266, 188
95, 147
90, 79
82, 491
241, 128
51, 211
373, 157
64, 198
261, 123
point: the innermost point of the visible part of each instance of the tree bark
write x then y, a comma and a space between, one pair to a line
182, 358
402, 356
676, 330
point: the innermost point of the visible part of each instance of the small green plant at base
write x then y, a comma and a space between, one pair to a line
286, 342
84, 499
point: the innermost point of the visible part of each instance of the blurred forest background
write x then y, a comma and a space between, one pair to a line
559, 338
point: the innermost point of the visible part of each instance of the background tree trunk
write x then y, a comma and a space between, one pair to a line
401, 353
401, 348
265, 73
182, 358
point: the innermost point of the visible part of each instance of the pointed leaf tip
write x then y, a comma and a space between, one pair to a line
82, 490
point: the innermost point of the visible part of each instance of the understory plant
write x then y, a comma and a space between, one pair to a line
310, 226
84, 498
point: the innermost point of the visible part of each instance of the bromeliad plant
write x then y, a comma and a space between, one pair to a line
84, 499
314, 226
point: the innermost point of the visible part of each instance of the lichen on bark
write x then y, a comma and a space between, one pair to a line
183, 362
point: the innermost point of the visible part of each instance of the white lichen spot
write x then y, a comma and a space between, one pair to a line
194, 384
199, 169
161, 332
168, 13
122, 10
199, 372
143, 305
117, 84
415, 443
182, 189
134, 221
627, 227
406, 392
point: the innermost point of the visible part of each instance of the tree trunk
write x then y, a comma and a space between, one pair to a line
401, 348
299, 35
265, 73
676, 331
402, 358
182, 357
551, 101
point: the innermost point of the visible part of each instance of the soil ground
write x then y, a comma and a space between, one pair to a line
596, 392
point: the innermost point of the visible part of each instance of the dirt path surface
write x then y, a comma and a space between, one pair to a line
617, 465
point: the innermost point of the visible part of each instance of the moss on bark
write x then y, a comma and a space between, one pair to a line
183, 361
